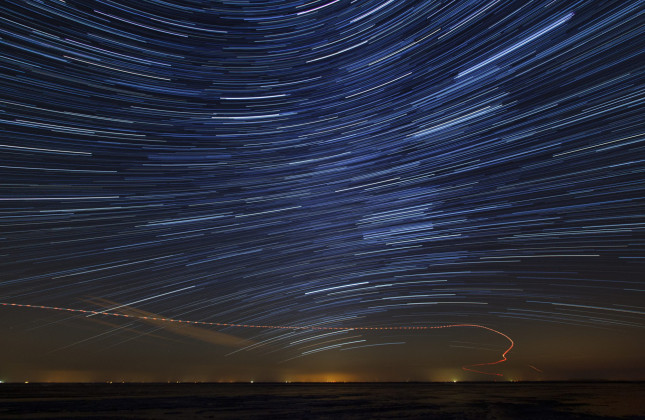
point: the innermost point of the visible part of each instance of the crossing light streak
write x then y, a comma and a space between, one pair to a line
470, 368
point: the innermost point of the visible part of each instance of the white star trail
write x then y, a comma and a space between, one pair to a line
347, 164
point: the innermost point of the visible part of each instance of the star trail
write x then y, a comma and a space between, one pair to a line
337, 166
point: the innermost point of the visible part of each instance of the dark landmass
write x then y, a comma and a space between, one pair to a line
474, 400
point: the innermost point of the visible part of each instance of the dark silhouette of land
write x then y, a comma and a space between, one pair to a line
474, 400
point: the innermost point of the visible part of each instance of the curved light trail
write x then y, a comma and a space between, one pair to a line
288, 327
327, 162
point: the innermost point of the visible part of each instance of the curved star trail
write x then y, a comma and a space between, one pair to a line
347, 164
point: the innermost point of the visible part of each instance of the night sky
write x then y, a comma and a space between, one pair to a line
344, 167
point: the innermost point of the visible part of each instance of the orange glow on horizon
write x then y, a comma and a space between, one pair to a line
288, 327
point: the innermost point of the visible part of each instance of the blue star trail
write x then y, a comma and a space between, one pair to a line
326, 163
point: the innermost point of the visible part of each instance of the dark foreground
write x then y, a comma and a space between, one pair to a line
562, 400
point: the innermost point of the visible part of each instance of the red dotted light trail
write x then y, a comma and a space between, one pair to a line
470, 368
